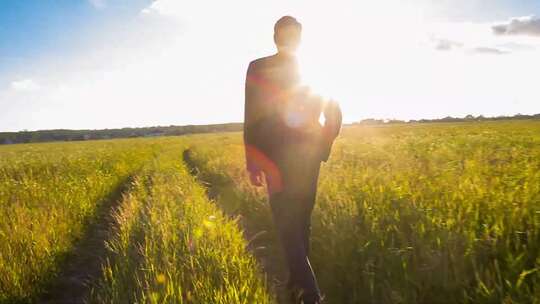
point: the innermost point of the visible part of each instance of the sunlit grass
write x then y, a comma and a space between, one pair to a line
174, 246
439, 213
48, 195
434, 213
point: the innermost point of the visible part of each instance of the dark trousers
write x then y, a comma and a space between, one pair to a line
291, 211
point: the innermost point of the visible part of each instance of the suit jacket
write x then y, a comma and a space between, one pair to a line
279, 112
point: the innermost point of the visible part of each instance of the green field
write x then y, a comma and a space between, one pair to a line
416, 213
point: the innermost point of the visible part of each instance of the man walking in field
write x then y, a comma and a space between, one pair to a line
285, 144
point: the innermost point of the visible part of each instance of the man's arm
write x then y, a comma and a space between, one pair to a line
332, 127
250, 118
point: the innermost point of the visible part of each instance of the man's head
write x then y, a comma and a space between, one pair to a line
287, 34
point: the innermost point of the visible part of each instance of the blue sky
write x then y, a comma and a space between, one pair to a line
31, 30
118, 63
485, 10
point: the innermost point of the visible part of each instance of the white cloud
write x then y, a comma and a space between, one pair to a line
99, 4
442, 44
489, 51
153, 9
483, 38
146, 11
25, 85
528, 25
165, 7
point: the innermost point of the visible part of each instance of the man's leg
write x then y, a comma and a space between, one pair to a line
287, 214
305, 223
307, 204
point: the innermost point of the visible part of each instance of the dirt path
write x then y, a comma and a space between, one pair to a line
83, 265
262, 243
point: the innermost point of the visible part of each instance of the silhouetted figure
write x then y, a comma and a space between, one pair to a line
285, 144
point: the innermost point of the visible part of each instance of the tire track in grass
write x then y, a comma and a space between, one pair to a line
260, 235
83, 266
187, 252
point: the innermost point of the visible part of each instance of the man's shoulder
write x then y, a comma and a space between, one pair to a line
262, 62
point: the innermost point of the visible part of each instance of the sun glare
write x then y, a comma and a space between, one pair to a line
346, 53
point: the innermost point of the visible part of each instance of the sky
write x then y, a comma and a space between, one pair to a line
93, 64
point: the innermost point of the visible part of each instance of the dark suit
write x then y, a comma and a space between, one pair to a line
284, 139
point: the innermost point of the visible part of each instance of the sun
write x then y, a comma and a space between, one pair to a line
355, 55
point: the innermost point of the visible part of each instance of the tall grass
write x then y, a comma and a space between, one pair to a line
48, 195
446, 213
172, 245
438, 213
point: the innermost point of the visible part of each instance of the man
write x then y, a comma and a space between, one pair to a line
284, 145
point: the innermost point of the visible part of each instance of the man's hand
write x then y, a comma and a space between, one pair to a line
256, 177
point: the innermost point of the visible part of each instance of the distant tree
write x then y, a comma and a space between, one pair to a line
371, 121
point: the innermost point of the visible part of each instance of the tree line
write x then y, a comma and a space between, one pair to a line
468, 118
77, 135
